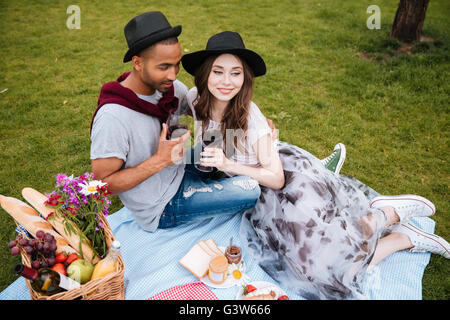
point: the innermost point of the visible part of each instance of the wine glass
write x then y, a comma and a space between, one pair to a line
177, 124
211, 137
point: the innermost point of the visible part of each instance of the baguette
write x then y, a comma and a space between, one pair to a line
30, 219
37, 199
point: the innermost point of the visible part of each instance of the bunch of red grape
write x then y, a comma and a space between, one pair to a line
41, 249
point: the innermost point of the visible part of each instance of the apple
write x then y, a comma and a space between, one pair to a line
80, 270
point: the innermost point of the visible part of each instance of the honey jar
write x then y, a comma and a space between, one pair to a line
218, 268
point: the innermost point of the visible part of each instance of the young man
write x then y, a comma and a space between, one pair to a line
129, 149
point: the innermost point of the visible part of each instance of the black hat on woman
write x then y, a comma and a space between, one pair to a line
225, 42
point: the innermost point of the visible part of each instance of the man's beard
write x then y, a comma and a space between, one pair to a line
155, 85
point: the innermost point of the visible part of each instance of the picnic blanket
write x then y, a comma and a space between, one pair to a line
151, 261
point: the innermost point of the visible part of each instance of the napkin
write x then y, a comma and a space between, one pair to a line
191, 291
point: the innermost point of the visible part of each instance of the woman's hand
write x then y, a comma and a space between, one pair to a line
274, 130
214, 157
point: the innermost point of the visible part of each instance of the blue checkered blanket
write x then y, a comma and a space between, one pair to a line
151, 261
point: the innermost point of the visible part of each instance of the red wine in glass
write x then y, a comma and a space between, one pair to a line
176, 130
205, 143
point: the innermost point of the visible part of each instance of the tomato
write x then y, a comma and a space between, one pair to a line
284, 297
71, 258
59, 267
60, 257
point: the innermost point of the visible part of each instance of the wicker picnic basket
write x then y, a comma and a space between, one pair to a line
110, 287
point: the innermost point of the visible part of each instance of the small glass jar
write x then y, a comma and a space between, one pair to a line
218, 268
233, 254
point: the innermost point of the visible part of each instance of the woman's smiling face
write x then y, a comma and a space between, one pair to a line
226, 77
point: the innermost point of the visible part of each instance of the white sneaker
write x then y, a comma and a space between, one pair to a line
406, 206
424, 241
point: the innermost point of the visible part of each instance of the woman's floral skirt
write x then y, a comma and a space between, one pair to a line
318, 234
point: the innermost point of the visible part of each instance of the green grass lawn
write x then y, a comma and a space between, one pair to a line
329, 80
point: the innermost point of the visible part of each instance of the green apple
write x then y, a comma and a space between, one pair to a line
80, 270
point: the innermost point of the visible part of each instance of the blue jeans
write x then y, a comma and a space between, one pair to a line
200, 197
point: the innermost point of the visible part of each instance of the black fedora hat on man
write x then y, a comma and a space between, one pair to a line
147, 29
225, 42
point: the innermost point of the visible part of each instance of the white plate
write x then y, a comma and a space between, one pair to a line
229, 282
261, 285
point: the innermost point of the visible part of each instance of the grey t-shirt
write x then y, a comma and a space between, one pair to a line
129, 135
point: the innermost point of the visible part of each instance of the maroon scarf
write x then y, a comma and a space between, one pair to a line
114, 92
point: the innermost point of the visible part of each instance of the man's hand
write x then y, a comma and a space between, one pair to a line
171, 151
274, 130
120, 180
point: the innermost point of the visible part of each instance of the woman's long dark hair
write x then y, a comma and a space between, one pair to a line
236, 113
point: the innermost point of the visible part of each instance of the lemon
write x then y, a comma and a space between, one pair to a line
237, 274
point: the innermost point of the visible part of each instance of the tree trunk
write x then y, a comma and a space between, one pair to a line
409, 20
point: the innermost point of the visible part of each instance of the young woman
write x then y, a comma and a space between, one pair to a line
318, 230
